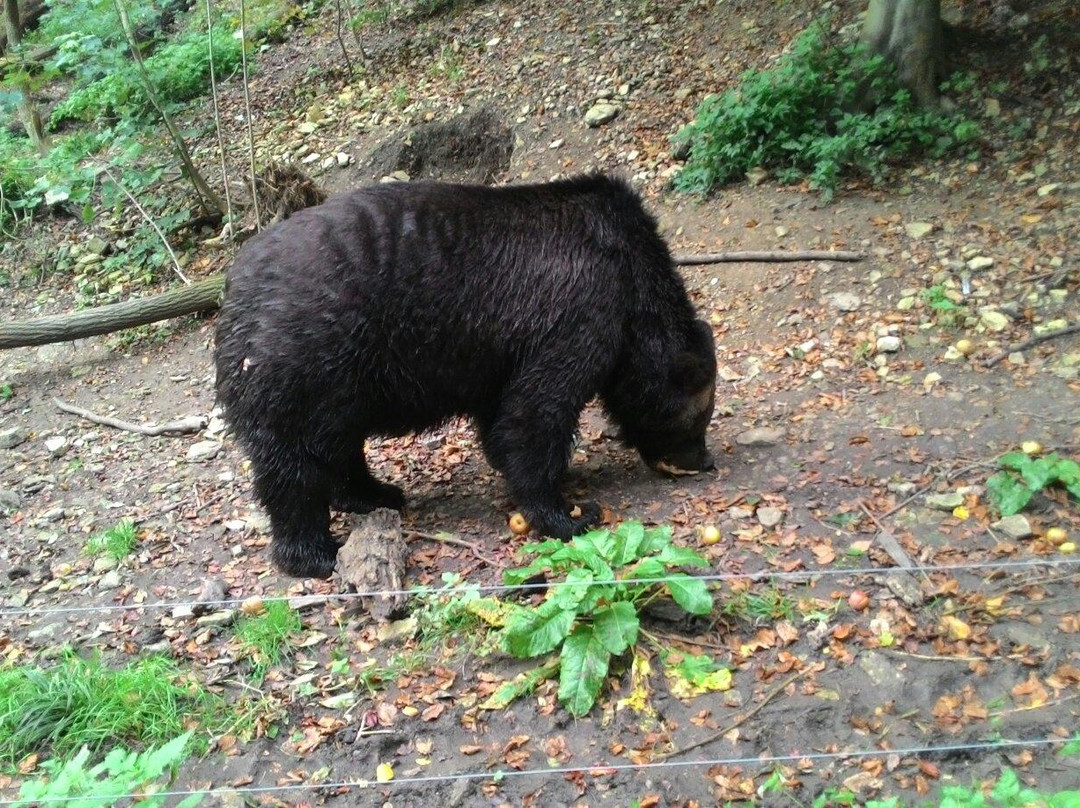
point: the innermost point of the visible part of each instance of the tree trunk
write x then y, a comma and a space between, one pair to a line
13, 28
205, 295
908, 33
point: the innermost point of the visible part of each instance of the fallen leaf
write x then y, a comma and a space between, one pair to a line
956, 628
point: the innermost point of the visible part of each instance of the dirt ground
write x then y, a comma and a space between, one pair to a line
860, 428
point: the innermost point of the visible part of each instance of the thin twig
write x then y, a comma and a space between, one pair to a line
661, 635
937, 657
217, 113
887, 540
176, 262
192, 423
1029, 707
742, 719
206, 194
341, 39
446, 538
768, 256
1030, 342
247, 114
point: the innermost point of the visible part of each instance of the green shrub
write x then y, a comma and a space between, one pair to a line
179, 71
28, 180
803, 118
119, 775
1023, 476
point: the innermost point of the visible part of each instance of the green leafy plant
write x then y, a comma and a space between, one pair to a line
1022, 476
807, 116
81, 702
592, 614
120, 774
117, 542
1007, 792
267, 638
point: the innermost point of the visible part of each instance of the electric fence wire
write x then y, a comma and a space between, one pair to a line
597, 770
462, 589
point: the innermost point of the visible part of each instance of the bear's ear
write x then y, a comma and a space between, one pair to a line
691, 372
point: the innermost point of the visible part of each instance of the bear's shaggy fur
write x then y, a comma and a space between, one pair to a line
389, 309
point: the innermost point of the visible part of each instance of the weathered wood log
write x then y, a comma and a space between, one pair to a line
373, 559
768, 257
208, 294
205, 295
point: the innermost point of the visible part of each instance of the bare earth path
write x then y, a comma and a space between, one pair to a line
864, 413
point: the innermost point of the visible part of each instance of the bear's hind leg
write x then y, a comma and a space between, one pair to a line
299, 508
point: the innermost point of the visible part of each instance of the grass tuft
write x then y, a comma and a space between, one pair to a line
81, 702
266, 638
117, 542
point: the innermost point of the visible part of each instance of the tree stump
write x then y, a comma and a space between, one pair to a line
373, 559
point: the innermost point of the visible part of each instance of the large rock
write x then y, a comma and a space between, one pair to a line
471, 147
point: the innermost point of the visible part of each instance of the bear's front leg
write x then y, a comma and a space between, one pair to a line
531, 448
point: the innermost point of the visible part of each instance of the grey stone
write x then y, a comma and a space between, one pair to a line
110, 580
104, 564
9, 501
760, 436
1015, 527
600, 113
43, 633
980, 262
57, 445
889, 344
845, 301
202, 451
993, 319
945, 502
770, 517
212, 593
881, 671
13, 436
224, 617
918, 230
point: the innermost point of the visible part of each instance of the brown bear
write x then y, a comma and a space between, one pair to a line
389, 309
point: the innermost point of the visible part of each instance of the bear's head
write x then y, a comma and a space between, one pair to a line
673, 441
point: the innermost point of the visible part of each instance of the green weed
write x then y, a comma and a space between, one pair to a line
81, 702
591, 619
120, 774
117, 542
772, 604
1023, 476
266, 638
448, 65
806, 117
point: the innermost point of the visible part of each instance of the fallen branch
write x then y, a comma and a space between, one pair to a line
1032, 341
202, 296
446, 538
742, 719
207, 295
193, 423
767, 256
